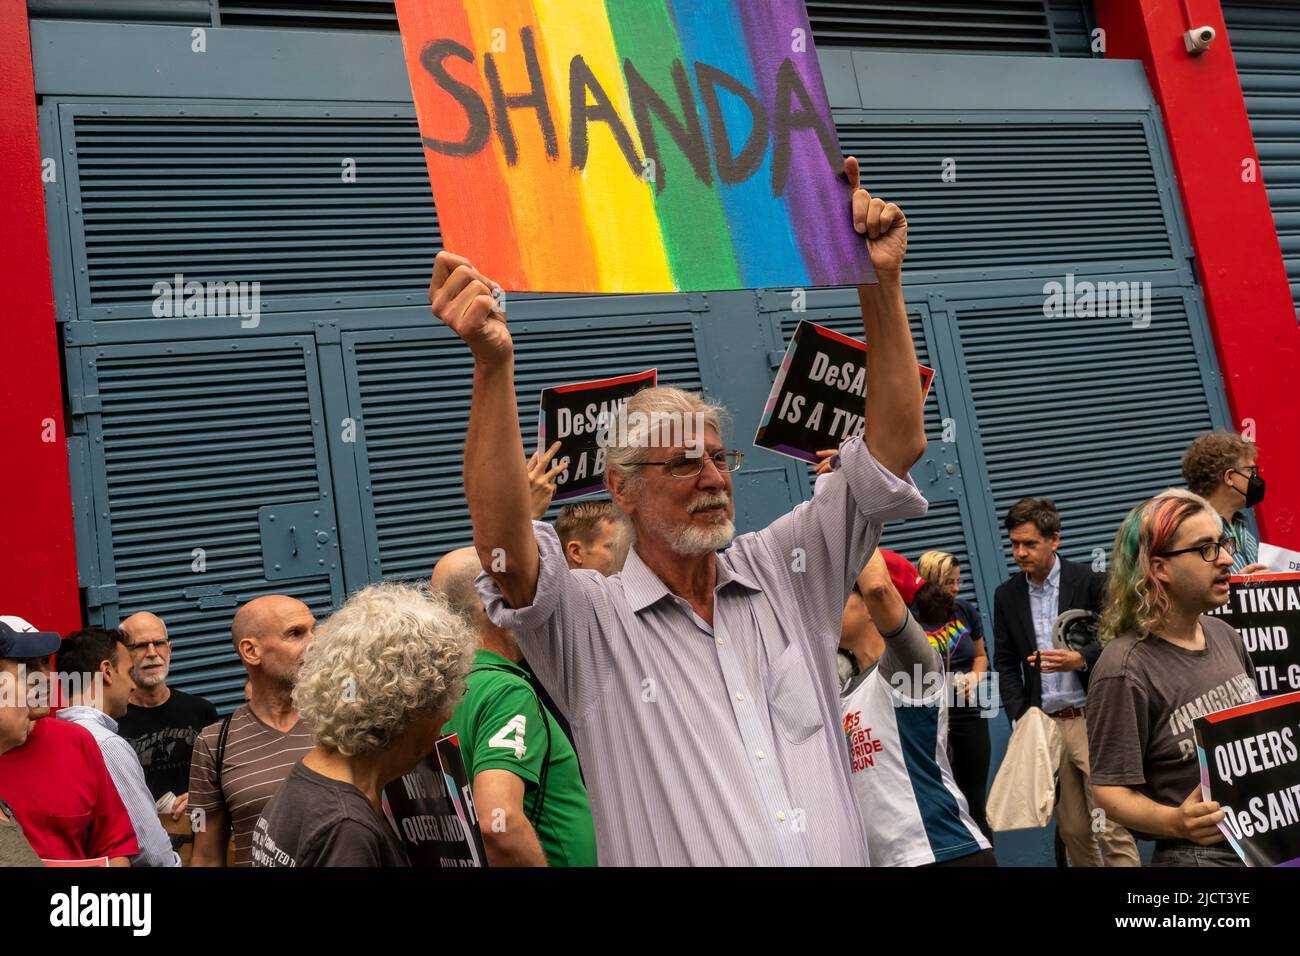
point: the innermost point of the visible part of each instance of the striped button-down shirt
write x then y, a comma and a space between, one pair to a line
1061, 689
722, 744
128, 776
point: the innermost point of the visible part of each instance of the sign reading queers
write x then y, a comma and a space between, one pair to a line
579, 416
1265, 610
818, 398
1250, 763
632, 145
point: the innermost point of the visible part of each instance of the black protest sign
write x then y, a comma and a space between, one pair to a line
818, 398
1250, 761
1265, 610
579, 416
433, 811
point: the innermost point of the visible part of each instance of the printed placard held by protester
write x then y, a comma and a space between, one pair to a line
578, 416
1265, 610
1250, 765
817, 399
432, 809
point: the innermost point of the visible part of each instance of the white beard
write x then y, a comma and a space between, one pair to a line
689, 541
157, 678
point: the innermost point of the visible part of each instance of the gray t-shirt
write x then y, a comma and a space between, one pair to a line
14, 848
315, 821
1142, 699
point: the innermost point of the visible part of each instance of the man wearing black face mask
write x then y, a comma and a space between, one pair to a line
1223, 469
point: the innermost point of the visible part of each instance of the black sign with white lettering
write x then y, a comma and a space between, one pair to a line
1265, 610
579, 417
1250, 761
432, 809
818, 398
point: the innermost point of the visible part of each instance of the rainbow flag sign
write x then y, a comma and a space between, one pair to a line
632, 145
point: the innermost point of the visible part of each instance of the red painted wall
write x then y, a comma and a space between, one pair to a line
38, 564
1252, 316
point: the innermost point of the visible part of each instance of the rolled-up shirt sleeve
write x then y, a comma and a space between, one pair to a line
561, 632
826, 542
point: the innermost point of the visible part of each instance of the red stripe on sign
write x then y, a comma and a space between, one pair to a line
838, 336
650, 376
1277, 576
1268, 703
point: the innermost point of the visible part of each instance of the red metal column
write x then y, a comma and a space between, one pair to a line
38, 561
1247, 295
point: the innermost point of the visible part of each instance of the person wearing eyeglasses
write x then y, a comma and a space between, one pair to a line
1223, 468
700, 681
1164, 664
161, 723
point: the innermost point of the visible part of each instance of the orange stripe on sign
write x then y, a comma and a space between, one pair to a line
471, 195
542, 187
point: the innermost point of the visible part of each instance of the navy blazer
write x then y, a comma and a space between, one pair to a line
1019, 682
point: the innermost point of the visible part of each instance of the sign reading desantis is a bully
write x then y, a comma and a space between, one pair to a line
579, 417
1250, 765
432, 808
818, 398
632, 145
1265, 610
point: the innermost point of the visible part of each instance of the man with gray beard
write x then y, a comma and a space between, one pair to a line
161, 723
701, 686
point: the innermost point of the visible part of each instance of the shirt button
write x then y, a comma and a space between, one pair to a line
781, 815
740, 696
761, 754
721, 642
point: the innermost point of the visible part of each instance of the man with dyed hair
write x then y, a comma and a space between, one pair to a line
1164, 664
701, 686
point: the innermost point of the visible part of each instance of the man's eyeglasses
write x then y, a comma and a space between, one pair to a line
147, 645
684, 467
1251, 471
1209, 551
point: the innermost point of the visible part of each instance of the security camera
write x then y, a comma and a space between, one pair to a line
1198, 39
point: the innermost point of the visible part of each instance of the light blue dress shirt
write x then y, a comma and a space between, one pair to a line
1063, 688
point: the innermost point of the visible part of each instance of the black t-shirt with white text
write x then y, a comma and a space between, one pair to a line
163, 738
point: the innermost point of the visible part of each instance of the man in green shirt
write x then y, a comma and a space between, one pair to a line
529, 796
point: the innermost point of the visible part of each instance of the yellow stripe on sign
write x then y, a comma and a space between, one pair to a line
618, 205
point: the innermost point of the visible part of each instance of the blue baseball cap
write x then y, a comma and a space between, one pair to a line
19, 640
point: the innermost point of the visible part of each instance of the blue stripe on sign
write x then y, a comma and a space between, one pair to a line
761, 228
918, 727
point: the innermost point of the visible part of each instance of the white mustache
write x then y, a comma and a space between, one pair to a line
718, 500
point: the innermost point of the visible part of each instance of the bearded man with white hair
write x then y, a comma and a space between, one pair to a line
701, 686
161, 723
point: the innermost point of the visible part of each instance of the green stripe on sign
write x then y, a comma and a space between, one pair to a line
692, 223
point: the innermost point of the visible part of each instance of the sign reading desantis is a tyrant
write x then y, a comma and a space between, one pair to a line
1250, 765
579, 416
818, 398
632, 145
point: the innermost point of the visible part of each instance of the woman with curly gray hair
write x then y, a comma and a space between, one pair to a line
377, 683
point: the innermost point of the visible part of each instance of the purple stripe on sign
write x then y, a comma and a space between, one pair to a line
770, 30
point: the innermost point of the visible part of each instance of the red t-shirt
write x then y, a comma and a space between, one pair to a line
61, 793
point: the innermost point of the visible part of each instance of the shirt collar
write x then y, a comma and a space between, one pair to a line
643, 587
80, 714
491, 658
1053, 578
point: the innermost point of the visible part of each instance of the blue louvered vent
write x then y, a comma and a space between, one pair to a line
1025, 194
941, 528
415, 407
1072, 24
194, 442
1093, 413
1265, 41
309, 14
947, 26
222, 197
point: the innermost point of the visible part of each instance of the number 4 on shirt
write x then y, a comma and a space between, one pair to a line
502, 737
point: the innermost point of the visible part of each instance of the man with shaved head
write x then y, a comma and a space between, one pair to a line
241, 761
528, 791
160, 723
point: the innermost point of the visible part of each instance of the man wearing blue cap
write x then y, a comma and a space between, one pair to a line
52, 775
